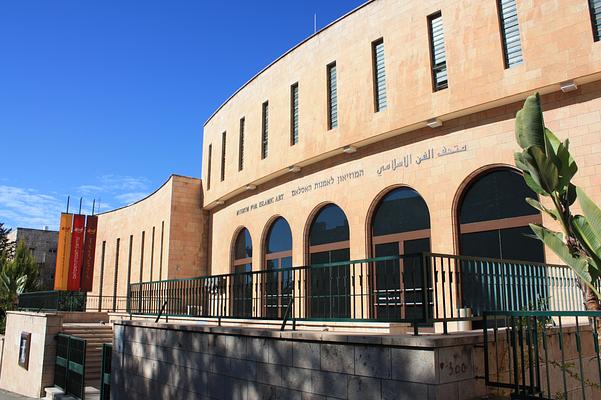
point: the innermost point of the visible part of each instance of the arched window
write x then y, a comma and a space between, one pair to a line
400, 228
241, 285
493, 222
494, 218
278, 261
329, 292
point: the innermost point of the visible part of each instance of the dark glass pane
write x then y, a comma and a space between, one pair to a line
387, 277
481, 244
329, 226
518, 244
244, 245
242, 287
510, 286
496, 195
279, 237
330, 286
401, 210
271, 288
413, 279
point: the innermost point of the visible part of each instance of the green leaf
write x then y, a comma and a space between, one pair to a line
591, 212
529, 124
580, 266
548, 175
586, 234
536, 204
525, 166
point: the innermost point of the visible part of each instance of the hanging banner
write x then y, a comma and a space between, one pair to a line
63, 252
76, 258
89, 251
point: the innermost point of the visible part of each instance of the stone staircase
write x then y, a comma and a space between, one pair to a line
95, 335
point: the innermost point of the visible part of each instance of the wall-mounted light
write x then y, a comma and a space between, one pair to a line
568, 86
251, 187
294, 168
349, 149
434, 122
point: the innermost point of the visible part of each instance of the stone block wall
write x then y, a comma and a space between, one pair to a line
156, 361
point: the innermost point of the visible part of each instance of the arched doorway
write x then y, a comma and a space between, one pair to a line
241, 285
329, 291
278, 260
493, 219
400, 226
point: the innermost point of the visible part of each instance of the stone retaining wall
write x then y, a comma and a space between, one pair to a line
157, 361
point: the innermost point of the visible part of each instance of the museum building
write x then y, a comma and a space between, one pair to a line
387, 134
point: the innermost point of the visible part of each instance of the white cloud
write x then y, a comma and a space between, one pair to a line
29, 208
123, 189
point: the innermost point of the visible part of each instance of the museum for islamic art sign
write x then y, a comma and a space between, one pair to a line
401, 162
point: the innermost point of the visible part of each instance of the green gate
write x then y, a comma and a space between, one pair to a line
105, 372
69, 367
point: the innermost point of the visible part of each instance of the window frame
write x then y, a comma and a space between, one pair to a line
376, 92
433, 65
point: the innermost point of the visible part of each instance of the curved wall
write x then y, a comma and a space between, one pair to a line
175, 232
355, 182
557, 43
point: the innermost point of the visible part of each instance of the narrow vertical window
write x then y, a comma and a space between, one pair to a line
241, 146
116, 275
437, 52
131, 245
380, 100
510, 32
152, 254
102, 254
223, 136
161, 251
209, 167
595, 9
265, 130
142, 257
332, 97
294, 114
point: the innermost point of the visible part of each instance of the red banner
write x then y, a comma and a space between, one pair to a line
89, 251
75, 261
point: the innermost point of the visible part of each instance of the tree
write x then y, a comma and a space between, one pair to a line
548, 169
6, 246
19, 275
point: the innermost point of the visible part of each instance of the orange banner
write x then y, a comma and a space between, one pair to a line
63, 252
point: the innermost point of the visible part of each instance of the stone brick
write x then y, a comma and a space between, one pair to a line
280, 352
257, 350
329, 384
296, 378
287, 394
269, 374
259, 391
337, 358
361, 388
236, 346
306, 355
413, 365
397, 390
372, 361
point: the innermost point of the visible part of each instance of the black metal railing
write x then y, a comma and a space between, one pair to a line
419, 289
59, 300
543, 354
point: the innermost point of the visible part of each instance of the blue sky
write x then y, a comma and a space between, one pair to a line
105, 99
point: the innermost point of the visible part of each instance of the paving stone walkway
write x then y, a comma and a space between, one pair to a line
4, 395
